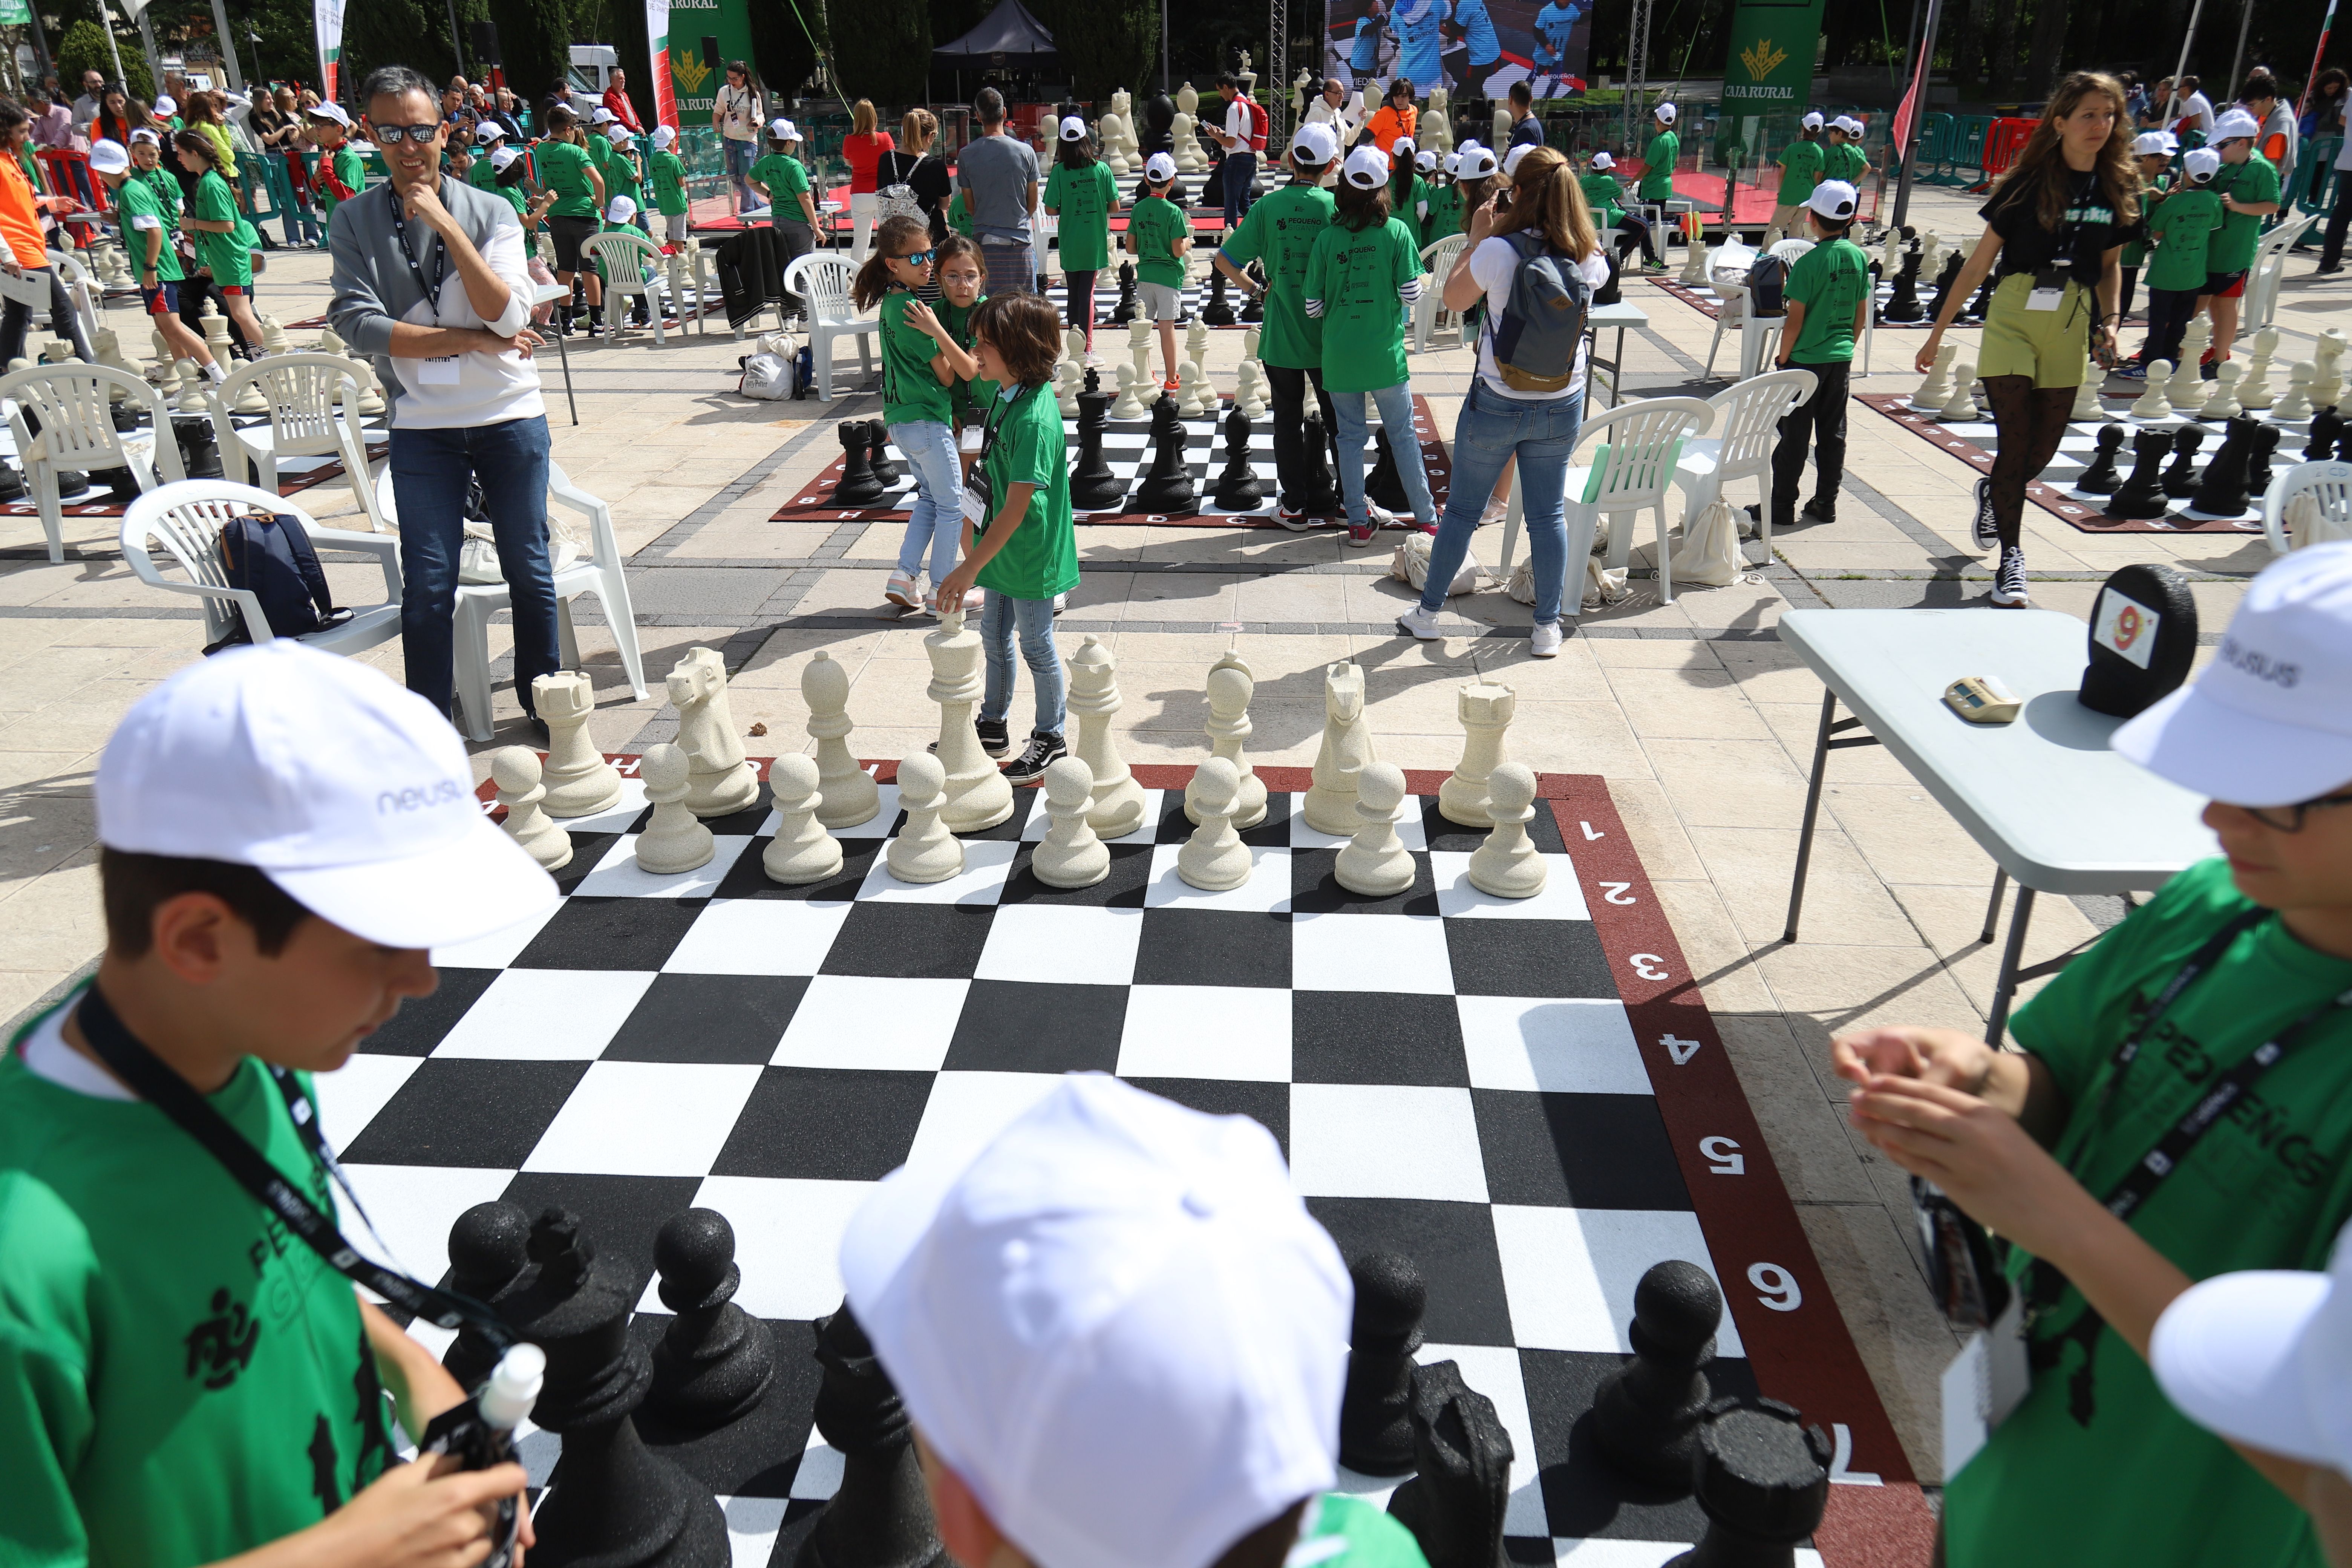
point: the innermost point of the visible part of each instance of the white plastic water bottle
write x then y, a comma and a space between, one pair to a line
506, 1400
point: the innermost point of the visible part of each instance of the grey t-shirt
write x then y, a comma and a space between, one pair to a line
998, 171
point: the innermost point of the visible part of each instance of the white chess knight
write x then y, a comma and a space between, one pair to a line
2328, 381
2222, 399
1962, 409
1094, 697
1214, 858
1507, 865
273, 336
2254, 392
802, 851
1936, 390
1231, 687
2152, 403
924, 851
976, 794
674, 841
850, 796
1072, 855
1484, 708
1374, 862
723, 783
516, 771
1346, 748
2296, 405
580, 782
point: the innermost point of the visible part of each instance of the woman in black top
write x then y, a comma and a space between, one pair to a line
2055, 231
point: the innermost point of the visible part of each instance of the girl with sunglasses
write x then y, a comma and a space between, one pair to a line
917, 352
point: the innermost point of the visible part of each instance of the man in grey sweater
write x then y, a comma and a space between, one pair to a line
998, 174
432, 283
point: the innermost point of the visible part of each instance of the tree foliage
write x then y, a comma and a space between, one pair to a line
782, 51
84, 49
1108, 43
886, 56
536, 37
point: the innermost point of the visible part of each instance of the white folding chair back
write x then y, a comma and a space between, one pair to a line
822, 279
73, 405
1437, 260
2328, 484
622, 256
1643, 440
186, 518
314, 412
1747, 429
82, 287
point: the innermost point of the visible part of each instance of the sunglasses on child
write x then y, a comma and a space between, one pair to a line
917, 257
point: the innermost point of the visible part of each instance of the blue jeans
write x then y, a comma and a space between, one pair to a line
1396, 417
1491, 429
1240, 169
1033, 619
938, 518
740, 156
429, 473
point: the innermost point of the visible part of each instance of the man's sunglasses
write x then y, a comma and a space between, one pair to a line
391, 135
2289, 818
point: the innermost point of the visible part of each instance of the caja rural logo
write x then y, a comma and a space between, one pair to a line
1762, 57
685, 69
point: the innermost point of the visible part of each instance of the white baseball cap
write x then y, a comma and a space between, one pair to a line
2201, 163
1073, 128
333, 111
2270, 721
502, 156
621, 210
620, 135
2264, 1357
167, 105
1402, 147
2235, 123
1314, 144
2154, 143
1160, 168
348, 792
1515, 157
663, 135
1117, 1323
1603, 161
1665, 111
1832, 199
600, 115
1477, 160
108, 157
1425, 162
144, 134
1812, 121
1367, 168
1454, 162
489, 131
783, 130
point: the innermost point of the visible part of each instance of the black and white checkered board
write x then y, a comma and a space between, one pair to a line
1451, 1076
294, 474
1193, 298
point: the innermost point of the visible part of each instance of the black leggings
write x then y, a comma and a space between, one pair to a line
2029, 422
1078, 302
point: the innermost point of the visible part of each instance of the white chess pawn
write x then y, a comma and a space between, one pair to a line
1129, 405
1094, 699
675, 839
1214, 858
1962, 409
924, 851
1072, 855
1375, 863
1196, 344
1251, 396
251, 400
1231, 687
371, 403
1506, 864
2254, 392
850, 794
2152, 404
1936, 390
2221, 401
1484, 708
2086, 396
192, 390
1346, 749
2187, 388
516, 771
1193, 397
801, 851
2296, 405
1069, 381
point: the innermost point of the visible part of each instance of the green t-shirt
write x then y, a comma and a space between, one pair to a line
1444, 214
599, 152
1658, 183
1041, 558
1829, 281
2151, 196
480, 175
345, 165
167, 194
1082, 200
1154, 225
1801, 171
140, 213
1366, 1536
1605, 196
562, 168
1407, 211
1845, 162
2268, 1187
2256, 181
670, 183
621, 179
979, 391
911, 389
181, 1380
1355, 274
228, 256
1280, 231
2183, 229
784, 179
960, 214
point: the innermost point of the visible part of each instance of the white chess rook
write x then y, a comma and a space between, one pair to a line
924, 851
675, 839
801, 851
516, 771
580, 782
1071, 855
1375, 863
850, 794
977, 796
723, 783
1484, 708
1214, 858
1094, 699
1347, 748
1231, 687
1506, 864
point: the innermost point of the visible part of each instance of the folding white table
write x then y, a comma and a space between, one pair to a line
2045, 797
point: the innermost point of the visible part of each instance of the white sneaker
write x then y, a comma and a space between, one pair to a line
1417, 622
1061, 603
902, 591
1496, 510
1094, 361
1544, 640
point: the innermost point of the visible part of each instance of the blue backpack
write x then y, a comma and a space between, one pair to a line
273, 558
1542, 325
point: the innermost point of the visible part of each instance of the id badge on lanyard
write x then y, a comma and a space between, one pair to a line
2049, 289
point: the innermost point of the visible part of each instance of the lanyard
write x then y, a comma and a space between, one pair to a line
440, 259
137, 1066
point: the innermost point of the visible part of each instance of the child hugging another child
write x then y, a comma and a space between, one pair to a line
1160, 235
1020, 545
961, 273
916, 376
2180, 233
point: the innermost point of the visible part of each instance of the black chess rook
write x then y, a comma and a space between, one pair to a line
1384, 487
857, 486
2142, 495
1375, 1406
2181, 475
1093, 486
1460, 1490
878, 447
1237, 487
880, 1517
1762, 1478
1168, 489
715, 1361
2100, 479
1646, 1415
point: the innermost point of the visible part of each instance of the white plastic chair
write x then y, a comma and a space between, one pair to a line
2262, 299
1437, 260
1747, 417
73, 405
623, 256
83, 287
314, 412
2330, 484
823, 280
1641, 439
600, 573
1726, 274
186, 518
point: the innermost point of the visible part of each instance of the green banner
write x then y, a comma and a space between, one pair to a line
1771, 61
696, 83
15, 13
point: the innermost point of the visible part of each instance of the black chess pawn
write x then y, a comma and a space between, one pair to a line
1646, 1415
1384, 487
1125, 310
2180, 476
489, 1259
1375, 1406
2265, 442
1168, 489
880, 1517
858, 485
614, 1500
878, 454
1762, 1478
2326, 430
125, 417
1903, 305
2100, 479
715, 1360
1094, 487
12, 483
1461, 1490
1254, 299
1944, 282
1217, 312
2142, 495
1319, 496
1238, 488
2221, 491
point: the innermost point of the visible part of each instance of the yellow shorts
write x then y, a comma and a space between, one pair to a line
2052, 347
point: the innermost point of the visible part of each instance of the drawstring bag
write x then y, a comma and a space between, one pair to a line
766, 376
1410, 565
1710, 547
1600, 584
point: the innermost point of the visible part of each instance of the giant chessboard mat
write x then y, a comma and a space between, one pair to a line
1528, 1098
1973, 441
1127, 447
1192, 300
295, 475
1703, 299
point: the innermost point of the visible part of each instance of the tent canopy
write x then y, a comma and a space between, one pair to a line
1008, 35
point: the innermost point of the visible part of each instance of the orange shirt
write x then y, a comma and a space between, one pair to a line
20, 218
1386, 125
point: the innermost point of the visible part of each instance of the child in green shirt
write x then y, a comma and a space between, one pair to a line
225, 241
1657, 184
783, 180
2180, 235
1081, 193
1827, 299
622, 177
1801, 171
920, 361
2152, 151
1444, 199
1023, 548
1160, 236
147, 240
961, 274
668, 171
2248, 186
340, 175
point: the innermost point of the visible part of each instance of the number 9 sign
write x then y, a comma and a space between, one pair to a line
1777, 1286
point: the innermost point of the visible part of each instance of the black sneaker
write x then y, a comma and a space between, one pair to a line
1987, 530
2009, 591
993, 738
1819, 510
1045, 749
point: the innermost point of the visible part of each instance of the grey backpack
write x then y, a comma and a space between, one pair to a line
1542, 325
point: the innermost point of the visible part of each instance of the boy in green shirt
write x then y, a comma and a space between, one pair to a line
1445, 200
622, 177
1022, 549
1827, 299
2181, 229
2248, 184
1844, 159
1160, 235
1801, 171
2152, 150
782, 180
340, 175
667, 171
1657, 173
183, 1379
2078, 1149
1279, 234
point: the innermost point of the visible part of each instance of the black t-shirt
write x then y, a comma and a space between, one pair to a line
2081, 242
